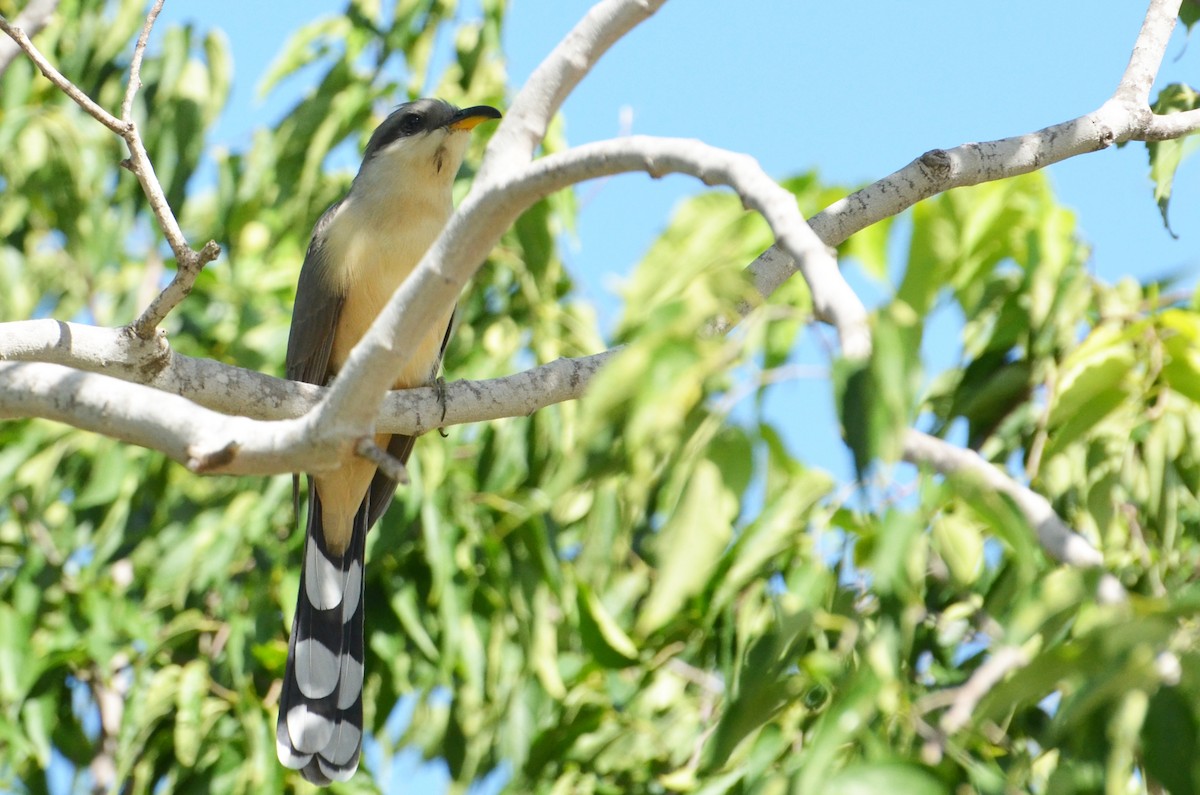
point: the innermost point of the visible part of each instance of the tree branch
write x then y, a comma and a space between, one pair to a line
1126, 116
1000, 664
1060, 541
54, 76
189, 262
1148, 51
135, 66
1171, 126
524, 125
31, 20
150, 369
353, 401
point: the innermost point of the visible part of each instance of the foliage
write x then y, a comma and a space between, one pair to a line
1165, 156
644, 591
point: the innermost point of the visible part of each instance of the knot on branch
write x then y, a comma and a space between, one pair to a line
152, 358
202, 461
936, 164
210, 252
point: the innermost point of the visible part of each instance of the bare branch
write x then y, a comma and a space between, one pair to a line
201, 439
524, 126
31, 19
66, 86
999, 665
1147, 55
135, 67
1126, 116
1060, 541
206, 440
940, 170
189, 262
1171, 126
233, 390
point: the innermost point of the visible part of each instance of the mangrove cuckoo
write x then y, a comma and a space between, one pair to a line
362, 248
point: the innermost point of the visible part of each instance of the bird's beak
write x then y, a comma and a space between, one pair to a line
468, 118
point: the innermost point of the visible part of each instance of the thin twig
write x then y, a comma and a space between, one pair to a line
31, 20
66, 86
388, 464
189, 262
1002, 662
135, 67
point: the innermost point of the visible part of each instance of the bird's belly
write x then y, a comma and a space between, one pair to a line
374, 274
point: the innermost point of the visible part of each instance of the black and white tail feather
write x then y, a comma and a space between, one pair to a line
320, 726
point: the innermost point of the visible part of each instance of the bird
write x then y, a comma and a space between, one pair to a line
362, 248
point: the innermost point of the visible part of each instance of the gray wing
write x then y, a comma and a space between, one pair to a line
383, 488
315, 313
314, 317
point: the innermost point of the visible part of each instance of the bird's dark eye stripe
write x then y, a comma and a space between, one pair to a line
412, 123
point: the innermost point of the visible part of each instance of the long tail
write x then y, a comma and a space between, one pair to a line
320, 726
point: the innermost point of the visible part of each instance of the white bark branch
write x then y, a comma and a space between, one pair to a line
1060, 541
1171, 126
1000, 664
524, 125
353, 401
1148, 51
155, 369
1124, 117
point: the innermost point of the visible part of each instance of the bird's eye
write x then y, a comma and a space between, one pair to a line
412, 123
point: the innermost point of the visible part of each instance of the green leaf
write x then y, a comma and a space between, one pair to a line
303, 47
877, 398
1189, 13
1093, 382
897, 544
37, 717
601, 635
220, 73
189, 701
1165, 156
854, 389
766, 683
959, 542
14, 651
895, 777
689, 545
1170, 742
778, 528
1182, 342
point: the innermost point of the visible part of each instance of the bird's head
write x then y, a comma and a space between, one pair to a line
423, 139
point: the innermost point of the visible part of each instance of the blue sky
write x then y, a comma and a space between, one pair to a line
855, 91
